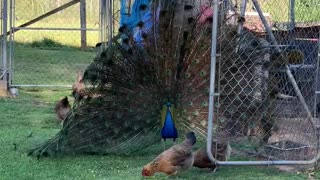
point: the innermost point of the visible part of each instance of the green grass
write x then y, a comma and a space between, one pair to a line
305, 10
43, 66
31, 114
69, 38
48, 44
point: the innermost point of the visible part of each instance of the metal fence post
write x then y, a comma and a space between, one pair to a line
109, 21
212, 77
103, 25
292, 14
11, 41
83, 24
243, 7
1, 33
4, 39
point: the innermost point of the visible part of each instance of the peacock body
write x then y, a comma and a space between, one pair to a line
169, 130
153, 82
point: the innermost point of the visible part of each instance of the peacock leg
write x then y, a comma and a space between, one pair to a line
164, 144
174, 141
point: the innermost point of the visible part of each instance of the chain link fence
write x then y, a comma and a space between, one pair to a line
266, 75
44, 45
266, 105
47, 39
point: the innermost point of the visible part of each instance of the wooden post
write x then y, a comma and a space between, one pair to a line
83, 24
3, 88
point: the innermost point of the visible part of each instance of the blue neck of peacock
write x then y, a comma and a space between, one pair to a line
169, 130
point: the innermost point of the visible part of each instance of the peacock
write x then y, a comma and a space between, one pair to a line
153, 82
169, 129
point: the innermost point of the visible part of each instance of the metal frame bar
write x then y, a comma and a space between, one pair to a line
211, 99
106, 21
11, 40
292, 14
317, 81
4, 38
40, 85
1, 33
55, 29
103, 25
109, 21
212, 78
243, 7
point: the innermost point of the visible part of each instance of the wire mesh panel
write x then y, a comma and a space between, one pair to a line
45, 53
43, 29
265, 86
266, 79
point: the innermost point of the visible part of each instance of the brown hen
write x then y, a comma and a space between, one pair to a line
178, 157
219, 152
62, 108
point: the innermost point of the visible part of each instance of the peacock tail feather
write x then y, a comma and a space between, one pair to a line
135, 78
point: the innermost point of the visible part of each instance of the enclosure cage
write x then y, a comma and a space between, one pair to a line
267, 82
265, 72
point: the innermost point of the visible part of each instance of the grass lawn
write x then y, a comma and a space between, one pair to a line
29, 120
50, 67
305, 10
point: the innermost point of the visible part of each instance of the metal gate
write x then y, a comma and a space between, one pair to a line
66, 29
267, 82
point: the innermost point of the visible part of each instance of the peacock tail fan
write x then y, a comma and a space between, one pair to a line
131, 81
